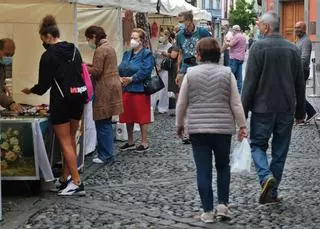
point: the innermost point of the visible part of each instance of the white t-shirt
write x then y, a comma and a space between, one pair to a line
228, 36
161, 48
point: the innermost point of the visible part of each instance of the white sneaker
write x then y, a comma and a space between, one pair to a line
98, 161
73, 189
207, 217
222, 212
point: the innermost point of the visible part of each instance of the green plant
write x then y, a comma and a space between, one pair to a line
243, 14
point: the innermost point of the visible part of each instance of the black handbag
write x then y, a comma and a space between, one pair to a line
154, 83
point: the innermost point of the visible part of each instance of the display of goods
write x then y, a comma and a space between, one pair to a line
28, 111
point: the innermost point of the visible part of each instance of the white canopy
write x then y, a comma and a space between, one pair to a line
19, 19
167, 7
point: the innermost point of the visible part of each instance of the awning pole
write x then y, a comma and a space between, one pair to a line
75, 23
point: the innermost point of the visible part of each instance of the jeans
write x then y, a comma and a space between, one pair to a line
263, 125
226, 58
309, 108
236, 68
105, 140
202, 146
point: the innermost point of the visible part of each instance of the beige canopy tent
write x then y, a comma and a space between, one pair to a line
19, 20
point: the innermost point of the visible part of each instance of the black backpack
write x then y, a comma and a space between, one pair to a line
72, 86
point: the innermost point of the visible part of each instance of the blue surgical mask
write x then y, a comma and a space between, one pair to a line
6, 60
182, 26
92, 44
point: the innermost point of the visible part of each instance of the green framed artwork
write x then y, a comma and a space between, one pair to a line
19, 159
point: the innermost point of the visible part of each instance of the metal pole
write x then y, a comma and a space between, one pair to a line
75, 23
314, 95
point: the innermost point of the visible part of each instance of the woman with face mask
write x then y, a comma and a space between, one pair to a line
107, 100
135, 68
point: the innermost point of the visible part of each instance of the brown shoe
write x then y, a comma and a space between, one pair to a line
268, 184
274, 200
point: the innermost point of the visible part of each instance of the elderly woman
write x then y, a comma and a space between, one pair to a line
108, 91
135, 68
209, 92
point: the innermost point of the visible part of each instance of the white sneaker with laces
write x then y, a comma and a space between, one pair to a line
73, 189
207, 217
97, 161
222, 212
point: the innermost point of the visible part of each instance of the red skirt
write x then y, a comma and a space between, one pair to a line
136, 108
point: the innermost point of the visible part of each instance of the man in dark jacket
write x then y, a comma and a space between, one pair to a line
7, 49
305, 47
274, 91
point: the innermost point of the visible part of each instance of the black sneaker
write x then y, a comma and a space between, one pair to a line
186, 141
267, 186
62, 184
126, 147
73, 190
142, 148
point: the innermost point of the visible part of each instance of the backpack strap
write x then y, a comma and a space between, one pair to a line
73, 57
59, 88
74, 53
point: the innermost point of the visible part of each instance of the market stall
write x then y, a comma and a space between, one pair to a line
28, 147
19, 20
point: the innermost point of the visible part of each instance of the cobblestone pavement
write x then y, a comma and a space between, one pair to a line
157, 190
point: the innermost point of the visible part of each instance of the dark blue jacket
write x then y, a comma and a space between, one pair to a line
139, 67
274, 79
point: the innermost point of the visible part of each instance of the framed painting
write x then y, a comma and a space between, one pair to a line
19, 160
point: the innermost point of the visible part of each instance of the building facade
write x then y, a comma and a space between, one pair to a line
291, 11
213, 7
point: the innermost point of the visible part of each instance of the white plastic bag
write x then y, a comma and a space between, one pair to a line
241, 158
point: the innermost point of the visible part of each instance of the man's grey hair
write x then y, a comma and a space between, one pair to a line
271, 19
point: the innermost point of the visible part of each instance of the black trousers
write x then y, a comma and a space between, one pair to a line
309, 108
226, 58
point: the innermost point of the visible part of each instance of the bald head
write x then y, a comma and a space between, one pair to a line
7, 47
301, 25
300, 29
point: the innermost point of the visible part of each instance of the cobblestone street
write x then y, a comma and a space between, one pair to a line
157, 189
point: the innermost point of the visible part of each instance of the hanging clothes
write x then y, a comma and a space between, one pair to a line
142, 23
128, 26
154, 29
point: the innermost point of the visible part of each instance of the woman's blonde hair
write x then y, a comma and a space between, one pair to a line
142, 36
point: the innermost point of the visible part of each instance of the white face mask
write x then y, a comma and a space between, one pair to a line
162, 40
134, 44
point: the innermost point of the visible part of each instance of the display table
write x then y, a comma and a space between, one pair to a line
29, 150
23, 151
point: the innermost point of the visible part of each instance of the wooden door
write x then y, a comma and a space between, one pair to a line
291, 13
